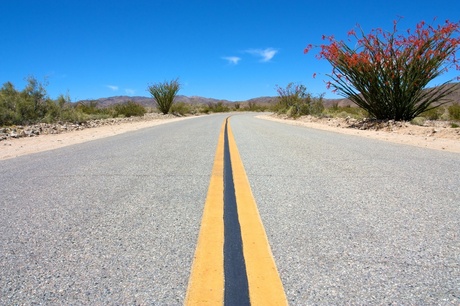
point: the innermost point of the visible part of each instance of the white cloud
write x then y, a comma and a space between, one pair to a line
266, 54
232, 59
130, 91
112, 87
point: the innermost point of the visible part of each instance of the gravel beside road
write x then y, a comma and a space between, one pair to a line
352, 220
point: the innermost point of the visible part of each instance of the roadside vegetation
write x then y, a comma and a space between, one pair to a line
295, 101
32, 105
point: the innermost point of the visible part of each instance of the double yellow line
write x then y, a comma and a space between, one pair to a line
207, 279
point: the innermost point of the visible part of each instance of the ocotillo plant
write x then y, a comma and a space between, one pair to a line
387, 72
164, 94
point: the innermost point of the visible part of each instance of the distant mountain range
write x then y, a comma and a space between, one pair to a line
146, 101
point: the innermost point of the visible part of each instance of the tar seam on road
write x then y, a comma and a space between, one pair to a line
236, 281
210, 280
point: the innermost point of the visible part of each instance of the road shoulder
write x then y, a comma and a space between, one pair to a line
28, 145
437, 138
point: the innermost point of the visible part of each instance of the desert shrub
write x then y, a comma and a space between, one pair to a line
181, 108
204, 108
71, 114
34, 102
335, 106
91, 111
252, 106
291, 98
89, 107
129, 109
295, 101
9, 98
53, 112
433, 114
164, 94
418, 121
30, 105
316, 106
217, 107
454, 111
355, 111
345, 111
386, 72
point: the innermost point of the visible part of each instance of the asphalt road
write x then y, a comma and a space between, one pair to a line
115, 221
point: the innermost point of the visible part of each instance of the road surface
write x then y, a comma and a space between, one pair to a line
116, 221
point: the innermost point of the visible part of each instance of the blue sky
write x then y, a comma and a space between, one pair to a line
234, 50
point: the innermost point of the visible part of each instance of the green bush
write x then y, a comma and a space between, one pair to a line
253, 106
9, 98
129, 109
218, 107
295, 101
71, 114
89, 108
164, 94
335, 106
28, 106
181, 108
433, 114
204, 109
91, 111
316, 106
454, 111
345, 111
418, 121
32, 105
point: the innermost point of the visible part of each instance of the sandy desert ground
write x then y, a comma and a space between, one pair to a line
21, 146
436, 135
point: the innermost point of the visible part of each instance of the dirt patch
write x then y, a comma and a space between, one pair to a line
438, 135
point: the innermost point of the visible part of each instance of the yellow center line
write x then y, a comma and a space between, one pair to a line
206, 284
265, 286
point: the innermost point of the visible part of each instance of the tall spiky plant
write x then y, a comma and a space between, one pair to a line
387, 72
164, 94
